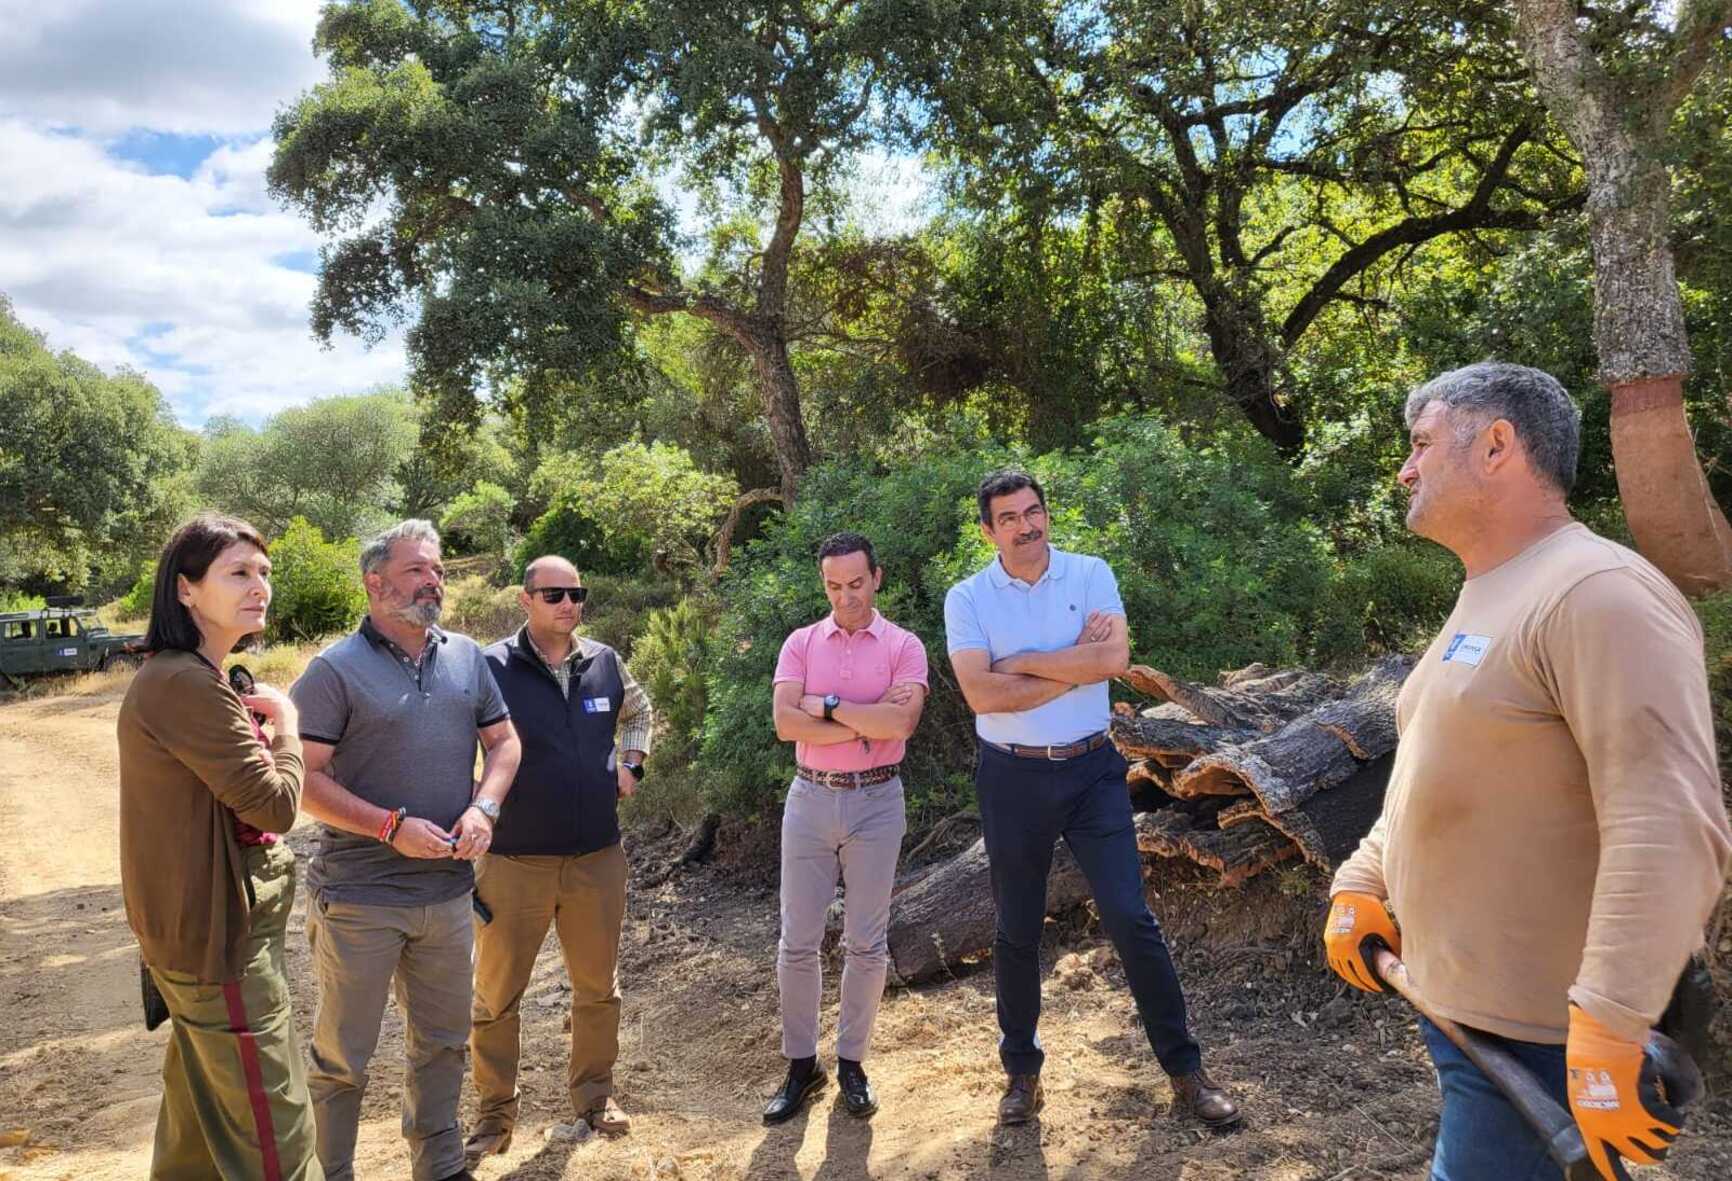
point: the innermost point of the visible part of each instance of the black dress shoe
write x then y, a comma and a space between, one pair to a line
785, 1104
857, 1096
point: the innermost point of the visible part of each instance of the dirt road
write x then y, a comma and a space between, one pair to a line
1334, 1087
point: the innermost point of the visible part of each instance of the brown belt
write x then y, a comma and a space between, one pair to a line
848, 780
1081, 746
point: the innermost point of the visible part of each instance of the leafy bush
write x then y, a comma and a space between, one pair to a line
479, 521
640, 505
480, 610
316, 584
1716, 615
1389, 599
618, 608
16, 600
136, 602
671, 660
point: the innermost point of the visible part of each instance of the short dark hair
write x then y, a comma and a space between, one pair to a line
838, 544
194, 546
1546, 421
1002, 483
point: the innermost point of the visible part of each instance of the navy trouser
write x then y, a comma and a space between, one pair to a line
1026, 805
1483, 1138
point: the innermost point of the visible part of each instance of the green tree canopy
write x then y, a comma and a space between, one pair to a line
333, 461
92, 465
517, 148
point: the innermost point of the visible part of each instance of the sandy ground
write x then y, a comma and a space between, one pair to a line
1334, 1086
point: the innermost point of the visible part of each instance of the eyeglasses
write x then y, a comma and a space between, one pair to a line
553, 594
1035, 514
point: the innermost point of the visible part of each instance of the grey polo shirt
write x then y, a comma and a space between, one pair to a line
404, 735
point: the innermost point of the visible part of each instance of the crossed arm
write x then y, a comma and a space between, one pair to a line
800, 715
1030, 679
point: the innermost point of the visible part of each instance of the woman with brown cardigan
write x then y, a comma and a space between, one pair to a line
208, 884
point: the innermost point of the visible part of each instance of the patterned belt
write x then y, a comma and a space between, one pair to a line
1057, 754
848, 780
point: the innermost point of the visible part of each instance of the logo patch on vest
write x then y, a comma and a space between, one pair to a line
1466, 649
597, 705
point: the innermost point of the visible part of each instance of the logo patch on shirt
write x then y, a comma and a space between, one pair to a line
1466, 649
597, 705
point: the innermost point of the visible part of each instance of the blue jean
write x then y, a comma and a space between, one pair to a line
1482, 1137
1025, 806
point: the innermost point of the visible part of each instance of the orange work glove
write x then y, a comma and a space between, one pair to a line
1617, 1098
1354, 918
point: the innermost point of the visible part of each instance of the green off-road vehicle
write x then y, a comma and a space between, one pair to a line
63, 637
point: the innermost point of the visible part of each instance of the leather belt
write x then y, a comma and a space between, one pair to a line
1056, 754
848, 780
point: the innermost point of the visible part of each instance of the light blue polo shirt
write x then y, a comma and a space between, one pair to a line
1006, 615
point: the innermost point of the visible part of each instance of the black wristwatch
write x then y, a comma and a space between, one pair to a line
830, 704
636, 770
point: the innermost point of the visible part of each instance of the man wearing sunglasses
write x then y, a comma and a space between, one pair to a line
556, 858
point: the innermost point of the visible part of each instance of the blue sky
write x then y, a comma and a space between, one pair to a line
135, 228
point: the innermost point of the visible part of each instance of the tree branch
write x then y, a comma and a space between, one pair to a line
1701, 26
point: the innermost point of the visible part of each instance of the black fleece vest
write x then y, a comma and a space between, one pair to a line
564, 800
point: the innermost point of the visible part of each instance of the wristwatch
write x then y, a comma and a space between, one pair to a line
830, 704
487, 808
636, 770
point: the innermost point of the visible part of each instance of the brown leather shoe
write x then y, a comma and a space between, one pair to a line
608, 1118
484, 1144
1022, 1099
1198, 1094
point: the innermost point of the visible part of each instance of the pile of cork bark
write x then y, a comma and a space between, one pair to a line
1265, 767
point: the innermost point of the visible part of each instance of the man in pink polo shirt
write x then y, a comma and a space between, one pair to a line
848, 692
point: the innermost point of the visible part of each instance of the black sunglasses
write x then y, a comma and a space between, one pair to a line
553, 594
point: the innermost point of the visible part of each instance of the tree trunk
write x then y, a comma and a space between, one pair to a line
781, 392
1638, 314
1249, 364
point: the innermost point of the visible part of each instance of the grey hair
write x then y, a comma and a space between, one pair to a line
377, 551
1546, 421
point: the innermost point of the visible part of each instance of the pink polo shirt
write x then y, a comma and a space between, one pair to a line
824, 659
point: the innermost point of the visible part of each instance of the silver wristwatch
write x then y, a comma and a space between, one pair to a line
487, 808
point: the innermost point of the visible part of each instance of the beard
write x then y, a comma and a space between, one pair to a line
421, 611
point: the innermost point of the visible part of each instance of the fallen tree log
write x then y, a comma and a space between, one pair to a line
1295, 692
948, 914
1172, 744
1328, 827
1365, 718
1237, 853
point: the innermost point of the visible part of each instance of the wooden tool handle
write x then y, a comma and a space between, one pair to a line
1551, 1121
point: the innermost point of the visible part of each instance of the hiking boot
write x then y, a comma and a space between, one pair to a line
1197, 1093
484, 1144
1022, 1099
608, 1118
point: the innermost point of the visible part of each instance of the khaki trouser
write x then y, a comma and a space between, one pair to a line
358, 951
583, 899
234, 1092
856, 833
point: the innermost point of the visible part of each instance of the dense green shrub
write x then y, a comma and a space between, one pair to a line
316, 584
671, 660
16, 600
1389, 599
480, 610
135, 603
567, 531
619, 606
479, 521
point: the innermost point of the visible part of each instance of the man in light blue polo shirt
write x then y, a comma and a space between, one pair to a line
1034, 638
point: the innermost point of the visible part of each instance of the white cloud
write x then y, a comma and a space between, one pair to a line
178, 277
183, 66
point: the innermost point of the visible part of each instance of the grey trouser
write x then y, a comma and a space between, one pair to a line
358, 951
858, 833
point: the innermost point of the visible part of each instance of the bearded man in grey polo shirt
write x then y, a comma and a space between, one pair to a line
390, 717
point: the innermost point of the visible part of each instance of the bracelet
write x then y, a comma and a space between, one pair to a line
393, 822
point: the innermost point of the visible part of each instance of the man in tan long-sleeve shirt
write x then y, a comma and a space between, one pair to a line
1553, 840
